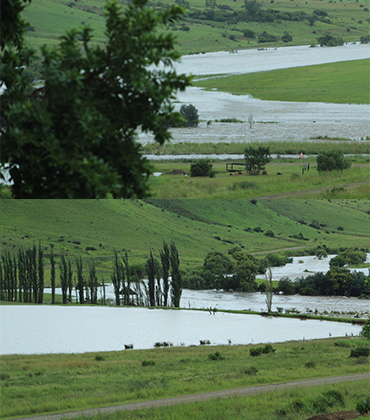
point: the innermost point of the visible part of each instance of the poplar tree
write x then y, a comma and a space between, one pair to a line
150, 268
93, 282
40, 269
165, 260
176, 283
127, 289
117, 277
63, 266
80, 279
70, 280
52, 275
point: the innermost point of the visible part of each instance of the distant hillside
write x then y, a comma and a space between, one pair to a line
197, 226
216, 25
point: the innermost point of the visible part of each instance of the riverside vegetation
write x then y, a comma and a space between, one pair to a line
39, 384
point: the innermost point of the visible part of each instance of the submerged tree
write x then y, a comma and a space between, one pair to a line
165, 260
269, 290
75, 136
52, 275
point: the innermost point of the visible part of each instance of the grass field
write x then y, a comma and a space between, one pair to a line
279, 148
38, 384
49, 19
344, 82
223, 186
196, 226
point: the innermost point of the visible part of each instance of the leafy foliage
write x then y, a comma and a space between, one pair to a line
330, 40
332, 160
75, 136
190, 114
365, 332
256, 158
202, 167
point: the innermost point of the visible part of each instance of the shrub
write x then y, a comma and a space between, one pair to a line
266, 37
4, 376
249, 33
201, 167
99, 358
310, 364
252, 371
256, 351
270, 233
216, 356
147, 363
363, 407
360, 352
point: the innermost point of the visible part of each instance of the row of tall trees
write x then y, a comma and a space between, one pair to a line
163, 286
22, 278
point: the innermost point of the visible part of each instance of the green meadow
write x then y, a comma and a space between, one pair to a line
196, 226
343, 82
292, 183
40, 384
49, 19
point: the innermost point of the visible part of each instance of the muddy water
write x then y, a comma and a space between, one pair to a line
58, 329
273, 120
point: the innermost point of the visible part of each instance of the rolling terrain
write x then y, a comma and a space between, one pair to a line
196, 226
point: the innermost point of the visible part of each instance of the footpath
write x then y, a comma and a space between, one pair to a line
185, 399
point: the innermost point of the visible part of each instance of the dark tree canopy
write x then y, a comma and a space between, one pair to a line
256, 158
190, 114
331, 161
75, 136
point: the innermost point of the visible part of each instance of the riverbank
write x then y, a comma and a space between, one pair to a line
41, 384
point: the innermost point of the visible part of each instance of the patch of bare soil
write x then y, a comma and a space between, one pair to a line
339, 415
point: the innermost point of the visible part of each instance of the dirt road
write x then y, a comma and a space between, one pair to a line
200, 397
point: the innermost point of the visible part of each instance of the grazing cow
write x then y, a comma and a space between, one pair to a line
264, 173
279, 173
129, 346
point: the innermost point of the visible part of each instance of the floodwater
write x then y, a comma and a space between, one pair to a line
273, 120
66, 329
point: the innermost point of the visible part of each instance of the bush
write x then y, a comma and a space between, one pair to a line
270, 233
99, 358
252, 371
265, 37
363, 407
310, 364
216, 356
257, 351
147, 363
332, 160
249, 33
202, 167
360, 352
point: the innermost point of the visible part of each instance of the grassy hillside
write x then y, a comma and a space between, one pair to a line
197, 226
345, 82
207, 29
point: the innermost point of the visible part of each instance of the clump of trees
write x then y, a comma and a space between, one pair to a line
338, 281
235, 271
75, 135
330, 40
332, 160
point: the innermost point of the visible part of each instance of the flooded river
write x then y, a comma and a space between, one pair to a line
71, 329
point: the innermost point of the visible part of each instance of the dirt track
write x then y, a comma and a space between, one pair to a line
201, 397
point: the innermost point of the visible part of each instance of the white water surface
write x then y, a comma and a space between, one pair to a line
77, 329
257, 60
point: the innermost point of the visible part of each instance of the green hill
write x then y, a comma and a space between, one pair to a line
214, 25
197, 226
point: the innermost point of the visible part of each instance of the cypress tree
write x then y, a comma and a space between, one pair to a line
165, 260
1, 281
52, 276
15, 283
32, 273
176, 284
21, 273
